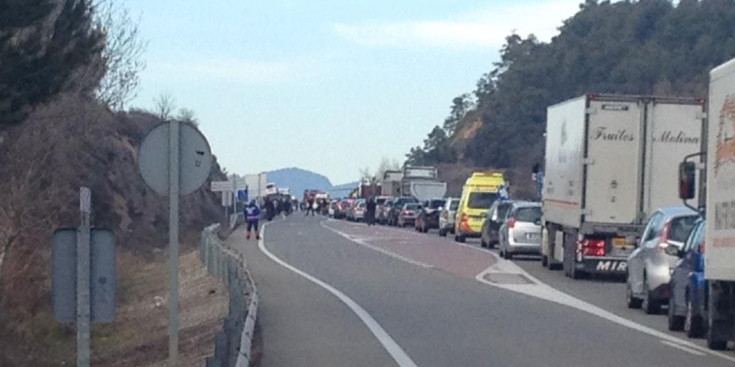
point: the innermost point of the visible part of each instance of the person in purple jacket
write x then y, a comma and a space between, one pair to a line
252, 214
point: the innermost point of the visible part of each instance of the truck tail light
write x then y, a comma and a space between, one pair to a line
591, 247
511, 223
664, 242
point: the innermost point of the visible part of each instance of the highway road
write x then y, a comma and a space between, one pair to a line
335, 293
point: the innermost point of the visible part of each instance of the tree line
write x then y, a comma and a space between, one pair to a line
626, 47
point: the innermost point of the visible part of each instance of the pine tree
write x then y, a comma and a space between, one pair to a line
42, 44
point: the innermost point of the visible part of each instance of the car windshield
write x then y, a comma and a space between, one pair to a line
412, 207
435, 204
530, 214
481, 200
681, 226
402, 201
380, 201
503, 210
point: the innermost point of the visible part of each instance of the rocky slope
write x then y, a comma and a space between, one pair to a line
69, 143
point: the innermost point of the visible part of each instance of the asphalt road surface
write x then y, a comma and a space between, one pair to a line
335, 293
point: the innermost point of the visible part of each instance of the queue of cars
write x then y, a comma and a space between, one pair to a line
665, 268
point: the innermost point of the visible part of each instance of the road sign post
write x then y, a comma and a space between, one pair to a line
83, 304
84, 280
174, 159
173, 244
234, 195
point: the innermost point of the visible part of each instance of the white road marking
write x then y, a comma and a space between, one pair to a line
541, 290
381, 250
683, 348
395, 351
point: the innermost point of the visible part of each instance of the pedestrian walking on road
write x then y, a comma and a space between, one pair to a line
309, 207
370, 211
270, 209
252, 214
286, 208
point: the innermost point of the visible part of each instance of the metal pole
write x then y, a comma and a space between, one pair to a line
259, 174
83, 268
234, 194
173, 235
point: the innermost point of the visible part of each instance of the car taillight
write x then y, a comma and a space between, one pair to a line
664, 242
591, 247
511, 223
701, 247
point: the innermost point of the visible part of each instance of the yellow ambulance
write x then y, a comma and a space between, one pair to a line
479, 192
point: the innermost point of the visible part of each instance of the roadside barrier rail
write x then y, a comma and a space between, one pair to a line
232, 344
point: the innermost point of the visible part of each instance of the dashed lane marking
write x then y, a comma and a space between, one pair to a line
362, 242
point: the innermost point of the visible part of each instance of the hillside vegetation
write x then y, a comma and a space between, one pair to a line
626, 47
57, 133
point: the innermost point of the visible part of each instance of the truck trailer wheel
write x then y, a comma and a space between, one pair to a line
718, 329
570, 269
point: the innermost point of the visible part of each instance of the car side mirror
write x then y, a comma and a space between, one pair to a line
687, 177
673, 251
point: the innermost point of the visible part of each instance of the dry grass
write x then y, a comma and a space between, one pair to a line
139, 334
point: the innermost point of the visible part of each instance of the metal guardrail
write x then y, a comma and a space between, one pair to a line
233, 343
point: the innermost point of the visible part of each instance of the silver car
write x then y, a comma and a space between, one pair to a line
357, 210
521, 232
649, 267
446, 218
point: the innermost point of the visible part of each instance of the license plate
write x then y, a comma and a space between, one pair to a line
620, 242
532, 236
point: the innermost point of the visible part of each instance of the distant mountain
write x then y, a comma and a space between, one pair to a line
298, 180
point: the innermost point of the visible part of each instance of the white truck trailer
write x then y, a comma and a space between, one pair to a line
610, 162
719, 245
421, 182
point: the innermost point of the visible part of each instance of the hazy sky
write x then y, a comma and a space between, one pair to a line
329, 86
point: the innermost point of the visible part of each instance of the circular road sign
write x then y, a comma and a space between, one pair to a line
195, 158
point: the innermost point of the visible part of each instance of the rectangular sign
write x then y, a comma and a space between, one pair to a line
103, 275
228, 185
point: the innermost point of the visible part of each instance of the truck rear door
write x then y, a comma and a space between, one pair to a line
613, 163
674, 130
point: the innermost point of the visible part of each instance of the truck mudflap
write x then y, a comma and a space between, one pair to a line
602, 265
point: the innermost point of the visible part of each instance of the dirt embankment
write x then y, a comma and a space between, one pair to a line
74, 142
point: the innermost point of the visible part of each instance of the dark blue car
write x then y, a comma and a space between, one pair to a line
687, 310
